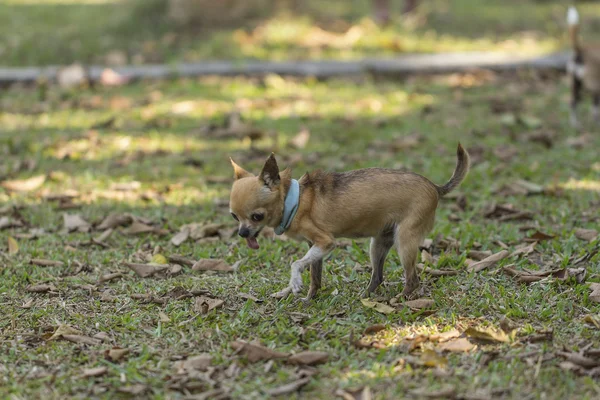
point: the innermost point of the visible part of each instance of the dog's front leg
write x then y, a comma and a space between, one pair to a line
315, 254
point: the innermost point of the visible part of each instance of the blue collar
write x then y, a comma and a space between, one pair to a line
292, 198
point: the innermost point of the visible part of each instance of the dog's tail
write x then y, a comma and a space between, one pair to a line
573, 23
463, 163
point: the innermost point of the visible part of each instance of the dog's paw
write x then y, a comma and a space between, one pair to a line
282, 294
296, 284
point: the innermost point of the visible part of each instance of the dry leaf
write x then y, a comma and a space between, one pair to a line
595, 295
64, 330
134, 390
115, 354
431, 358
586, 234
137, 228
8, 222
109, 277
176, 259
579, 359
146, 270
115, 220
419, 304
488, 261
446, 392
539, 236
374, 329
27, 304
41, 288
200, 362
81, 339
180, 237
444, 336
382, 308
24, 185
524, 249
74, 222
163, 317
288, 388
256, 352
247, 296
459, 345
436, 272
13, 246
159, 259
488, 335
301, 139
93, 372
309, 358
209, 264
204, 304
46, 263
478, 255
590, 319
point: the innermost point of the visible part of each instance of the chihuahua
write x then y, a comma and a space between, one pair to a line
583, 69
389, 206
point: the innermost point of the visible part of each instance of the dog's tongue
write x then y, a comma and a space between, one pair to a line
252, 243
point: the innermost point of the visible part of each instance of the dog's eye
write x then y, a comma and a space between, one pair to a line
257, 217
234, 216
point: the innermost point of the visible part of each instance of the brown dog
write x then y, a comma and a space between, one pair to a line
389, 206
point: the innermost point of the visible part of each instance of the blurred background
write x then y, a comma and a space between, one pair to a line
116, 32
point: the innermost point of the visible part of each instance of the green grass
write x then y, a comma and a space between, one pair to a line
158, 132
43, 32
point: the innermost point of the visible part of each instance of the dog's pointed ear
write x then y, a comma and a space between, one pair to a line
239, 172
270, 172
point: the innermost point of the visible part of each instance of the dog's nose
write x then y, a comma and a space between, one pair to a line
244, 232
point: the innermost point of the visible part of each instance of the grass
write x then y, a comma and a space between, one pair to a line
63, 32
156, 139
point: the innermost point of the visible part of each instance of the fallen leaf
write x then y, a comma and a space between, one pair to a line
595, 295
81, 339
357, 394
426, 257
459, 345
505, 212
163, 317
27, 304
586, 234
255, 352
247, 296
24, 185
288, 388
579, 359
46, 263
13, 246
159, 259
590, 319
446, 392
137, 228
478, 255
431, 358
74, 222
177, 259
200, 362
94, 372
382, 308
538, 236
134, 390
524, 250
436, 272
145, 270
8, 222
204, 304
488, 335
115, 220
419, 304
115, 354
110, 277
374, 329
43, 288
209, 264
301, 139
180, 237
488, 261
64, 330
309, 358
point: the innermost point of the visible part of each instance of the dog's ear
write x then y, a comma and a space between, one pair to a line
270, 172
239, 172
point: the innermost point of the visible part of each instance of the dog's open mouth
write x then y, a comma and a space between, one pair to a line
252, 242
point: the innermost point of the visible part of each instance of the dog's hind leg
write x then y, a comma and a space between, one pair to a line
316, 270
576, 89
410, 236
380, 247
